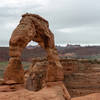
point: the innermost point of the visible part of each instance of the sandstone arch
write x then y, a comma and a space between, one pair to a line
32, 27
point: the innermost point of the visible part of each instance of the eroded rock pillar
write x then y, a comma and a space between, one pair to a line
20, 37
14, 70
55, 69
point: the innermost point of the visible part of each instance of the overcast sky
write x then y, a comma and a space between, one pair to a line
71, 21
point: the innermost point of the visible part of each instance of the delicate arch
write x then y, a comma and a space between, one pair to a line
32, 27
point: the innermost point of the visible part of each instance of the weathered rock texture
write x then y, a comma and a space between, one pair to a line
14, 70
53, 91
85, 80
36, 74
81, 77
94, 96
32, 27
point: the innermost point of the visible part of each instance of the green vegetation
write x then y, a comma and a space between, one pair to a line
93, 57
26, 65
94, 61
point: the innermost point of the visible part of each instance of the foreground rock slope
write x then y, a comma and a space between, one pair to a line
48, 93
53, 91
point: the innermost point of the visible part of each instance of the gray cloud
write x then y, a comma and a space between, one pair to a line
72, 21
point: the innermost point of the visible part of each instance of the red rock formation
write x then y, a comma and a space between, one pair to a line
53, 91
14, 70
33, 27
37, 72
94, 96
35, 76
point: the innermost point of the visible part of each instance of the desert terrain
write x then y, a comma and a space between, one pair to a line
81, 76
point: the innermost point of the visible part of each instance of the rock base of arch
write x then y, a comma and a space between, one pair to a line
14, 71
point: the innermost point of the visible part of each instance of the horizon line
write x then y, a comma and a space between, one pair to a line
63, 45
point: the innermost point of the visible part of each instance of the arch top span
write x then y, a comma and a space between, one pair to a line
32, 27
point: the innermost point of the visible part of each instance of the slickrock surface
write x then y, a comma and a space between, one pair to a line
95, 96
47, 93
53, 91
